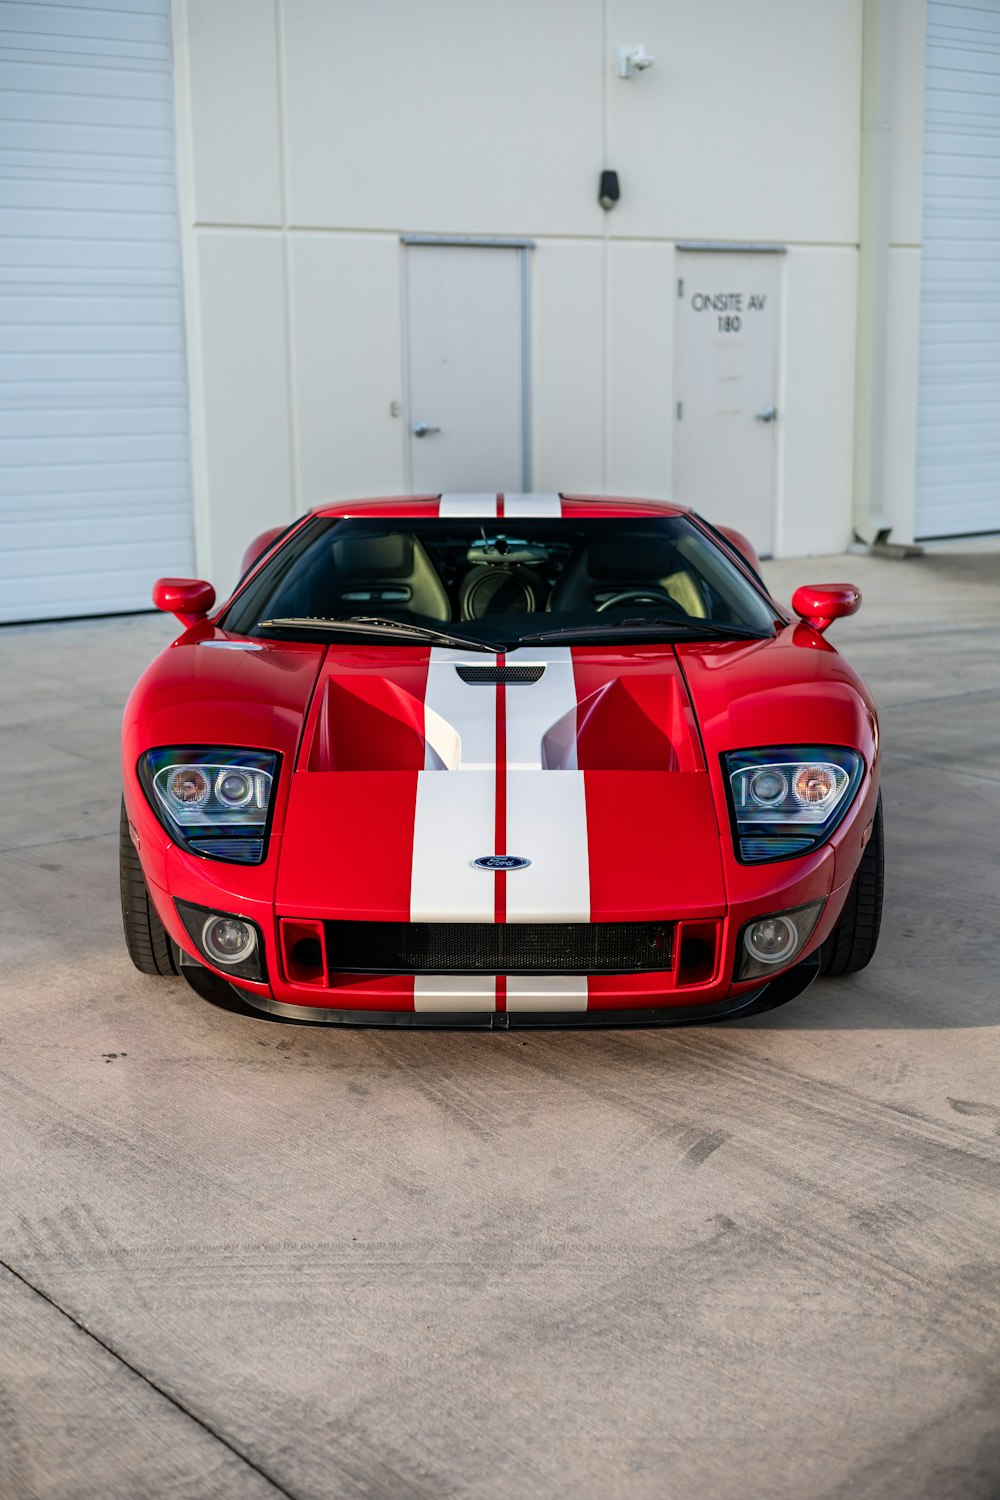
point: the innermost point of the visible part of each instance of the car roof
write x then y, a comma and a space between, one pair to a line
572, 506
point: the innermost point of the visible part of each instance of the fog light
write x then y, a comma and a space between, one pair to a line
233, 944
771, 939
227, 940
772, 942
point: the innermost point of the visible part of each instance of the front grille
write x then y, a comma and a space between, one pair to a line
500, 674
499, 947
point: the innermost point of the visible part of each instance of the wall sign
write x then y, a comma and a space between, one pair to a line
730, 308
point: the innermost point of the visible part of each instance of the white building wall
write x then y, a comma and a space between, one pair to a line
346, 316
246, 406
747, 126
641, 298
568, 379
315, 132
889, 304
232, 92
464, 116
815, 398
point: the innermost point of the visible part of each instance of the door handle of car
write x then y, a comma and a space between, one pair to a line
421, 429
767, 415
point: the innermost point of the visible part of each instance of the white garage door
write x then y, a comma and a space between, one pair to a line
958, 435
95, 494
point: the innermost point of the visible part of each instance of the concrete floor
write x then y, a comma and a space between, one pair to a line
247, 1259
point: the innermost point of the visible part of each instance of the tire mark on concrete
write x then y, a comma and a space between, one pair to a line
703, 1148
977, 1111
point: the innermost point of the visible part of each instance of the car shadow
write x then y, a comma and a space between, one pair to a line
870, 1001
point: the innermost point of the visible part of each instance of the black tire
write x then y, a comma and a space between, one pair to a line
852, 943
146, 938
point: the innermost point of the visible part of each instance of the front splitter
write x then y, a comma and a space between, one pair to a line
778, 992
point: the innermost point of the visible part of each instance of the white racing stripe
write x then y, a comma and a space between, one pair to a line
546, 809
470, 506
454, 992
547, 823
455, 823
469, 708
547, 992
534, 707
522, 507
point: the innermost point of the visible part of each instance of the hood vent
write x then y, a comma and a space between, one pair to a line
500, 674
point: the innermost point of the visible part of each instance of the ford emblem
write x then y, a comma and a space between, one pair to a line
501, 862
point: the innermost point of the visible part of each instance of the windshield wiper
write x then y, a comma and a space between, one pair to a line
713, 629
377, 625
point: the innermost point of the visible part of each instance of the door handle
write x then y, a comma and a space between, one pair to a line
421, 429
767, 415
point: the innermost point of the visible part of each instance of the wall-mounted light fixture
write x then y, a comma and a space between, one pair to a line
633, 59
609, 191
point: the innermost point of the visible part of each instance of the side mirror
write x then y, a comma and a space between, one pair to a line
819, 604
258, 547
743, 545
190, 599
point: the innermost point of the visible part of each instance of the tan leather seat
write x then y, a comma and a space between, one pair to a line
385, 575
601, 568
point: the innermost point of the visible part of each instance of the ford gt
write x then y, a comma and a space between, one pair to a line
501, 760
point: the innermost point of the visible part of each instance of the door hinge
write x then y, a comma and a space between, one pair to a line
680, 411
680, 287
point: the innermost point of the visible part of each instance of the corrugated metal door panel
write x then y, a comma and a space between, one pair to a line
958, 423
95, 490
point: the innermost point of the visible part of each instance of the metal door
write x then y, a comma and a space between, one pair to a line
958, 407
467, 394
95, 485
725, 383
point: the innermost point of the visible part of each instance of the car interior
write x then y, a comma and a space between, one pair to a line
436, 572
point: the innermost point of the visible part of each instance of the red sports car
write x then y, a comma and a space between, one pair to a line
501, 760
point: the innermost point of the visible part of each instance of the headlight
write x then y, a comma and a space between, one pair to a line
767, 944
214, 802
787, 801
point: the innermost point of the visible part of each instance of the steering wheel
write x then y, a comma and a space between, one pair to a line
653, 595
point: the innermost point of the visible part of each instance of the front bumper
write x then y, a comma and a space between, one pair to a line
666, 997
674, 996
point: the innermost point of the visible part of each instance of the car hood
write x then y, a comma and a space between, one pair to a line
584, 763
792, 689
212, 689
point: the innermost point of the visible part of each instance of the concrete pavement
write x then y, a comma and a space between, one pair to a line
759, 1259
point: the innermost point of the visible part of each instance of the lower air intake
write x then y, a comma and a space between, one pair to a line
499, 947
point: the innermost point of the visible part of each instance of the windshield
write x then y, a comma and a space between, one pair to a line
494, 585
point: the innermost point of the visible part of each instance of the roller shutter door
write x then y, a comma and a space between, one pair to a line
958, 433
95, 490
